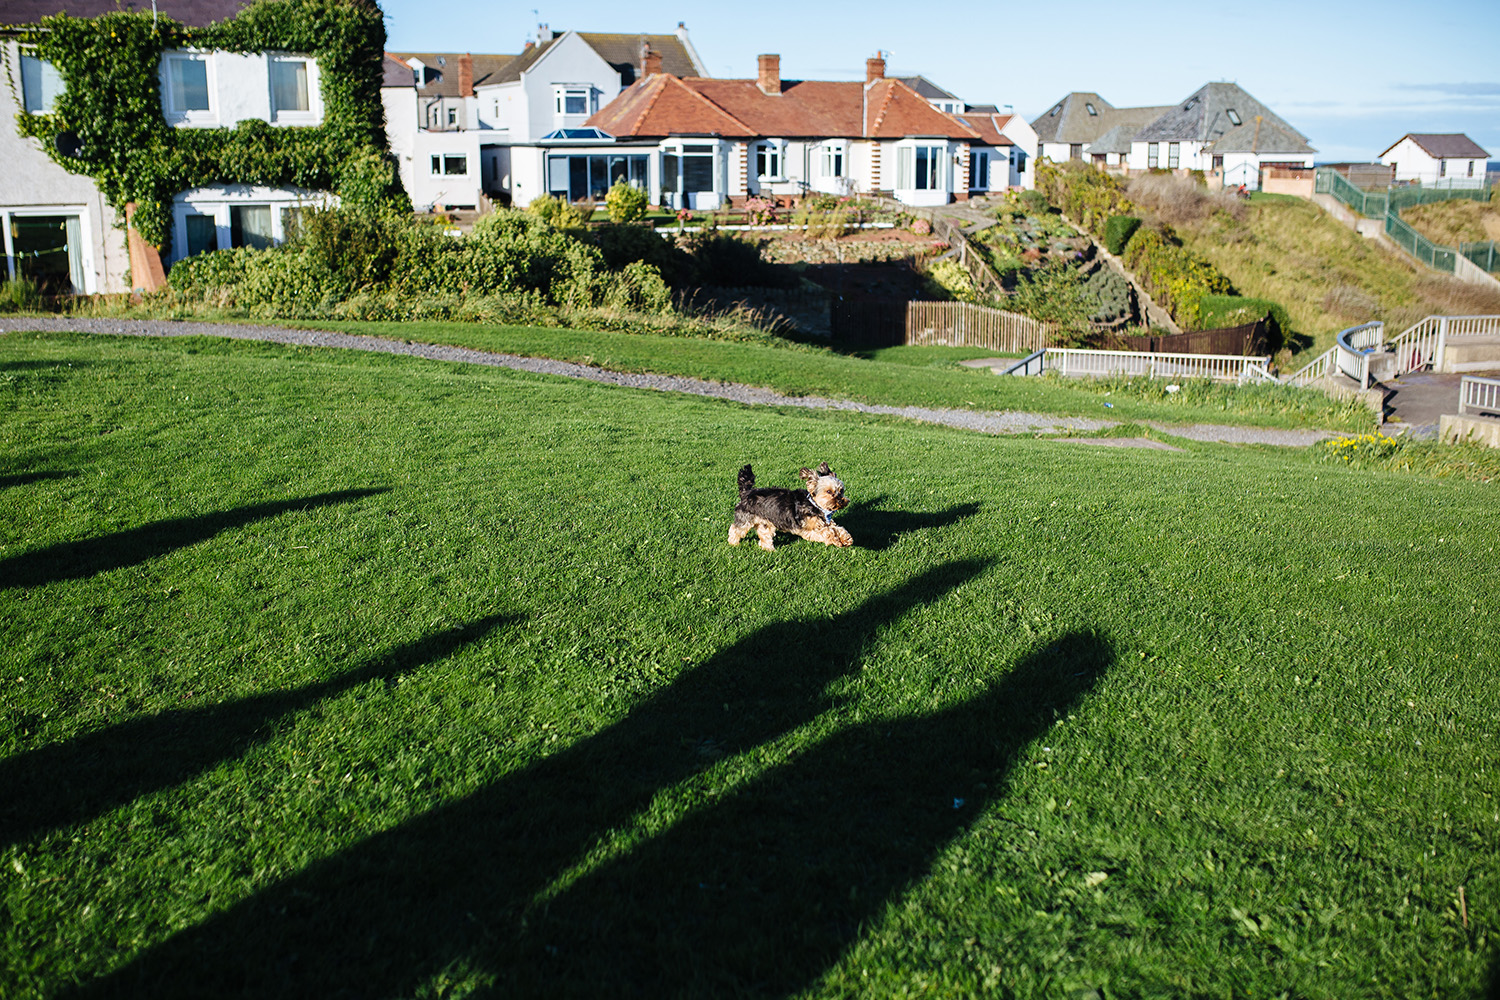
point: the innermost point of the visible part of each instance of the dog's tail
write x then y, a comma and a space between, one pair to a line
747, 481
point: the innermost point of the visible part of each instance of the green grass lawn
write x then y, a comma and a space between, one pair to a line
325, 673
894, 376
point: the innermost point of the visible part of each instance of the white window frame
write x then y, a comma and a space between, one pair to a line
937, 165
313, 114
1174, 155
562, 91
438, 165
831, 153
50, 83
217, 203
85, 237
189, 116
1153, 155
774, 151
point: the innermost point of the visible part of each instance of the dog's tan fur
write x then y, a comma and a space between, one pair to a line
807, 513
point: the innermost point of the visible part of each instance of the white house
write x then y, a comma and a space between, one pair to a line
220, 90
533, 114
57, 229
1084, 126
1442, 160
1002, 159
708, 143
1224, 132
429, 126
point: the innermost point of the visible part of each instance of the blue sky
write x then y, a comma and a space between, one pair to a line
1353, 77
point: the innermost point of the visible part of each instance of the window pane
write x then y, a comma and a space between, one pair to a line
455, 165
903, 167
189, 80
578, 177
576, 103
289, 85
41, 84
697, 173
202, 234
669, 172
250, 226
923, 179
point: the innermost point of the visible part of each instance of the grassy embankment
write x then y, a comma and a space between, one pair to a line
1325, 275
324, 672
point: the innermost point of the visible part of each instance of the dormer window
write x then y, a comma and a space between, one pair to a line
1091, 109
1234, 117
1053, 113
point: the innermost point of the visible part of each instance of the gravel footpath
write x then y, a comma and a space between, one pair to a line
1002, 422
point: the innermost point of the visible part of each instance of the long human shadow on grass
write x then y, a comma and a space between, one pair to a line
449, 888
25, 478
877, 529
74, 560
762, 892
69, 782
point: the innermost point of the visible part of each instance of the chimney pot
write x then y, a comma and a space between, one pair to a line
770, 74
875, 68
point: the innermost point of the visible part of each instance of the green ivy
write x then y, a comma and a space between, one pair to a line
112, 104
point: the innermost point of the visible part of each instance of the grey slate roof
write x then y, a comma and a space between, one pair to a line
624, 52
1209, 115
193, 13
927, 88
1069, 120
486, 66
1444, 146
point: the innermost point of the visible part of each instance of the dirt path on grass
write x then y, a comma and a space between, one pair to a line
991, 422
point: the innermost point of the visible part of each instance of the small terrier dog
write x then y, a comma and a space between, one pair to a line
807, 513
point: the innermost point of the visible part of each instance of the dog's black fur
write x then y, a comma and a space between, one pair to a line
806, 512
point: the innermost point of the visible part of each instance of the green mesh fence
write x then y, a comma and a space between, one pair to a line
1439, 258
1486, 254
1374, 204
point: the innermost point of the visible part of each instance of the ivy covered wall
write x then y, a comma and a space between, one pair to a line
109, 123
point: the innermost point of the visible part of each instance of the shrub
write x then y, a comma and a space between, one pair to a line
947, 278
1117, 232
625, 203
20, 294
1179, 200
1177, 278
1085, 195
727, 261
921, 226
556, 212
1106, 295
625, 244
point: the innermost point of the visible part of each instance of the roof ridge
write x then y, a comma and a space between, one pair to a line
713, 104
871, 129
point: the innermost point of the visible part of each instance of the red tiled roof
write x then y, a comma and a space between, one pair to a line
193, 13
663, 105
988, 127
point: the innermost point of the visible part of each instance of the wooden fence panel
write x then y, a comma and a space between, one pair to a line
1252, 338
961, 324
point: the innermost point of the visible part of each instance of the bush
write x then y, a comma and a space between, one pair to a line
1117, 232
1106, 295
1085, 195
947, 278
625, 203
20, 295
1177, 278
1219, 311
727, 261
557, 212
625, 244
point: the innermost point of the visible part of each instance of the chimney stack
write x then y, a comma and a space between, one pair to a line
651, 63
770, 74
875, 68
466, 75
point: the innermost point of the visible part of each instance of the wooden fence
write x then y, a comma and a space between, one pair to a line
960, 324
1252, 338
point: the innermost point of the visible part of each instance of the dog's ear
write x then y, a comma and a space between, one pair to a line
808, 476
824, 470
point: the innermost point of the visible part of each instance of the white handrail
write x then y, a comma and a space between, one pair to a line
1081, 361
1482, 395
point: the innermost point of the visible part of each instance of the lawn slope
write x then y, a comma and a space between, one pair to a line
330, 673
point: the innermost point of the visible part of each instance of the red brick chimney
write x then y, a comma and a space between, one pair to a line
770, 75
650, 63
466, 75
875, 68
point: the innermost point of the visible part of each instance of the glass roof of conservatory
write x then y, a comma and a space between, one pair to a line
578, 135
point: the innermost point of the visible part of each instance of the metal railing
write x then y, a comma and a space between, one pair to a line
1479, 395
1075, 361
1353, 348
1484, 255
1315, 369
1434, 255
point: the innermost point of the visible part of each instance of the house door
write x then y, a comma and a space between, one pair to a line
48, 249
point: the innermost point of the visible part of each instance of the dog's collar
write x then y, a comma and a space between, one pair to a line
827, 514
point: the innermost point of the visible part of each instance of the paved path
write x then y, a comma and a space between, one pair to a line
987, 422
1418, 399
